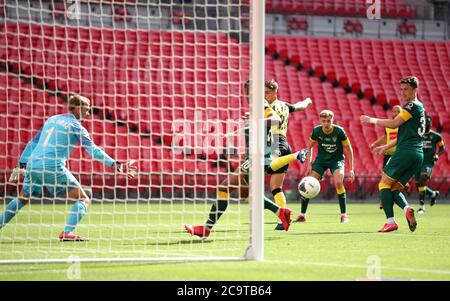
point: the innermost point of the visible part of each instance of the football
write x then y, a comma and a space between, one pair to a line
309, 187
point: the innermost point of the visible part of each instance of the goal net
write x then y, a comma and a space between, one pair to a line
166, 82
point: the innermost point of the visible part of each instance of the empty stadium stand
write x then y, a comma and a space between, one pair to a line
352, 8
141, 81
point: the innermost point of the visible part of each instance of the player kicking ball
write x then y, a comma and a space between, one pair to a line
237, 181
44, 158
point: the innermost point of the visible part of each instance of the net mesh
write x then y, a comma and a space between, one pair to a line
166, 83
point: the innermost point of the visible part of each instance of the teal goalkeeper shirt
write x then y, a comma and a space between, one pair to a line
53, 143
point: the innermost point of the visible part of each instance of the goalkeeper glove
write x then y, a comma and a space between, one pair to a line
127, 168
17, 171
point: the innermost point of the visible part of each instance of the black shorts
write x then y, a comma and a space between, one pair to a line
281, 148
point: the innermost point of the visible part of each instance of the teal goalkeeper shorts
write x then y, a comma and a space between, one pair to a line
57, 182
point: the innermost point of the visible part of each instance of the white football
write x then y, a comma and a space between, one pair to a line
309, 187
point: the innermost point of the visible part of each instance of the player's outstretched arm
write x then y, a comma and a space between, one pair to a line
302, 105
386, 123
124, 168
299, 106
20, 168
380, 150
378, 142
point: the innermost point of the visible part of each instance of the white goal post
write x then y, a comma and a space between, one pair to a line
166, 82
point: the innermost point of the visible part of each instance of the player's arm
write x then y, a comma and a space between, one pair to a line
388, 123
441, 150
31, 145
299, 106
98, 154
348, 147
309, 148
20, 168
378, 142
380, 150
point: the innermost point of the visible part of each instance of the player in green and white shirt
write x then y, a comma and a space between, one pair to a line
408, 157
431, 141
331, 140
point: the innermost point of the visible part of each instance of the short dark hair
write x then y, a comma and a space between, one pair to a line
410, 80
271, 84
247, 83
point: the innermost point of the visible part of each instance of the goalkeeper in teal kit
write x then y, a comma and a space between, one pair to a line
45, 157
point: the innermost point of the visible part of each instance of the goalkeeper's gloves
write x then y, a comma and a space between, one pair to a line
127, 168
17, 171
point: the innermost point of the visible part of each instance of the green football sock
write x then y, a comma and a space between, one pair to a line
342, 202
305, 202
399, 198
388, 202
217, 209
268, 204
428, 192
422, 198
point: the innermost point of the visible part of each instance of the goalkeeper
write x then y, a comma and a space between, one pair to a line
45, 157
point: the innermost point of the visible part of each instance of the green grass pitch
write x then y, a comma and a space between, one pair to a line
320, 249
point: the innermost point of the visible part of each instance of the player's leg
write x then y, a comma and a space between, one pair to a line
421, 179
283, 214
230, 183
223, 196
317, 171
435, 194
387, 200
338, 179
12, 209
406, 165
285, 160
276, 183
32, 185
385, 161
79, 208
432, 194
68, 186
398, 196
277, 179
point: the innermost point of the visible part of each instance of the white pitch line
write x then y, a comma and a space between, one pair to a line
362, 266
